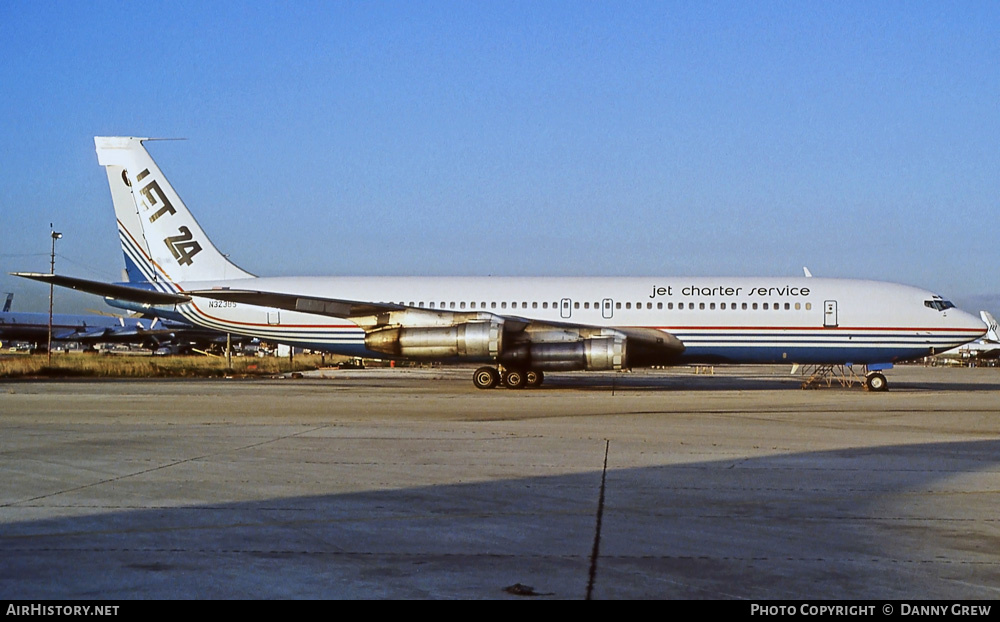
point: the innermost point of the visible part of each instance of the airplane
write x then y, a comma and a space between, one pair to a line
985, 349
148, 332
86, 329
517, 328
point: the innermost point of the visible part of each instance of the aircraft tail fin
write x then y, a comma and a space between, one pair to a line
160, 238
991, 323
8, 301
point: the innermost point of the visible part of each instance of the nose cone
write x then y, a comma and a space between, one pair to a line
975, 326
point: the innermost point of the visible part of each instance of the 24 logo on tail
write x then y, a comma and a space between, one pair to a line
183, 247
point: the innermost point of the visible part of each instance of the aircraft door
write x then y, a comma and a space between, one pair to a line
274, 318
830, 314
607, 308
565, 308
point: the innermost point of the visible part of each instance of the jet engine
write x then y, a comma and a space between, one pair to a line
593, 354
539, 347
474, 341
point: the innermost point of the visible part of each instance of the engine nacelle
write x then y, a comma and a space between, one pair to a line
594, 354
474, 341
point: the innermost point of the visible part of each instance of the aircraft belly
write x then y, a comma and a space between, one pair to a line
765, 354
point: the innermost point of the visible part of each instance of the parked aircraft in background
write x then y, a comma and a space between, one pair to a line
147, 332
86, 329
517, 327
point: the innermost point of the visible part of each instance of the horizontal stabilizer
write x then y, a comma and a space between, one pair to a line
110, 290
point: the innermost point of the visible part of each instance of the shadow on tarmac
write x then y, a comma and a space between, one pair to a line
892, 522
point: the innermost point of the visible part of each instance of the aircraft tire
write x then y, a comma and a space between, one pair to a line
486, 378
534, 378
876, 381
515, 379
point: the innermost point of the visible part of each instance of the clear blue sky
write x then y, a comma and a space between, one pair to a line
859, 139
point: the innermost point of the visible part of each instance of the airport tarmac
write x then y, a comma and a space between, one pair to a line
411, 483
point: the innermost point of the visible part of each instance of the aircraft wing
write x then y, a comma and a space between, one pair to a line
368, 315
80, 334
333, 307
111, 290
373, 316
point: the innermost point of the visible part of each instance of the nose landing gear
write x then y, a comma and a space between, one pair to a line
875, 381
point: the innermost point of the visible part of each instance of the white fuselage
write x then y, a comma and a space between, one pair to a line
718, 319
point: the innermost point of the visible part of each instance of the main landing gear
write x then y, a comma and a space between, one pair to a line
490, 377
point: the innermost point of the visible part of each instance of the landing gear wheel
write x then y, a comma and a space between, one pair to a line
876, 382
515, 379
534, 378
486, 378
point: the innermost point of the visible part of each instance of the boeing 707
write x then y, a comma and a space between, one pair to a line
516, 328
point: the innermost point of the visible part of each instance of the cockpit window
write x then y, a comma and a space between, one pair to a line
938, 304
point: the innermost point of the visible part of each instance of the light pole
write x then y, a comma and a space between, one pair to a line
52, 270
